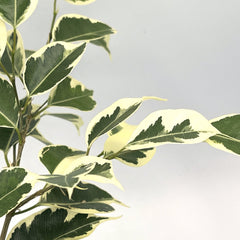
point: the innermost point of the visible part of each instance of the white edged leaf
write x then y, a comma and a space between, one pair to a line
228, 138
171, 126
52, 155
50, 65
74, 27
3, 38
19, 56
16, 12
111, 117
73, 118
70, 179
116, 142
86, 198
102, 169
52, 223
8, 105
15, 184
73, 94
80, 2
103, 42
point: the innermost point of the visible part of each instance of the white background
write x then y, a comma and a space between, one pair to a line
188, 52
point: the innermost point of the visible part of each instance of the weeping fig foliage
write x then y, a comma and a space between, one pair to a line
71, 206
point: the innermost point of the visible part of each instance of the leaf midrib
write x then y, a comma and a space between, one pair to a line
133, 143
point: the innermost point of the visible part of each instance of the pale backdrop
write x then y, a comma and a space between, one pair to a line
188, 52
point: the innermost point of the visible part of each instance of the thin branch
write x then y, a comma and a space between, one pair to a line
55, 12
6, 159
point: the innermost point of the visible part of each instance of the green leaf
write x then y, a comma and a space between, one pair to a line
73, 118
86, 198
228, 138
8, 106
37, 135
103, 42
136, 158
68, 180
111, 117
16, 12
116, 142
51, 156
28, 53
9, 136
50, 65
171, 126
102, 171
19, 56
3, 39
80, 2
71, 93
73, 27
60, 224
15, 184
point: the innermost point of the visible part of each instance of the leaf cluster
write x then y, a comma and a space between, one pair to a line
71, 204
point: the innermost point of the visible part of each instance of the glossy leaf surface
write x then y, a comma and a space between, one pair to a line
15, 184
15, 12
86, 198
52, 155
71, 93
8, 106
73, 27
56, 224
171, 126
111, 117
229, 137
50, 65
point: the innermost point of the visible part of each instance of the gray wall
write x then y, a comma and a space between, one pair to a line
188, 52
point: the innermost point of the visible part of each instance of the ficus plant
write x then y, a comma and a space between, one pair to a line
68, 205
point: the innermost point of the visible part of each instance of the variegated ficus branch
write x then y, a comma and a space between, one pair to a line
70, 205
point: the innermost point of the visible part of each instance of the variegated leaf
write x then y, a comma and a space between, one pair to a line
7, 138
118, 139
228, 138
71, 93
70, 179
73, 27
103, 42
102, 171
171, 126
3, 38
16, 12
80, 2
19, 56
86, 198
111, 117
8, 105
136, 158
50, 65
57, 224
15, 184
73, 118
52, 155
